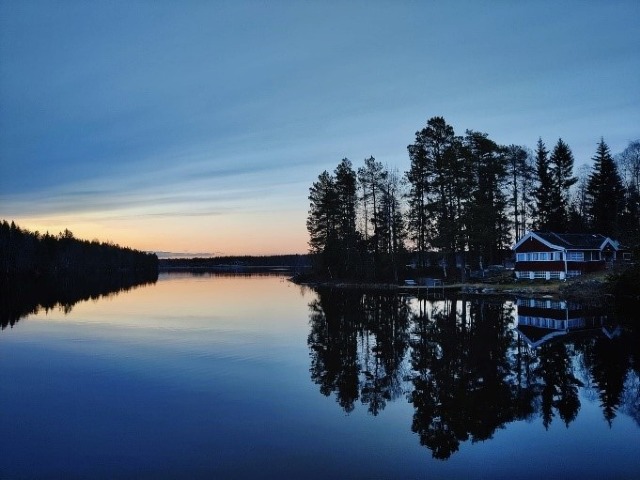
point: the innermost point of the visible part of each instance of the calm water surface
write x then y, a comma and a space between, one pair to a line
253, 377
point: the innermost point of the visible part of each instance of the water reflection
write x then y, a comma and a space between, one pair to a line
22, 297
470, 367
358, 347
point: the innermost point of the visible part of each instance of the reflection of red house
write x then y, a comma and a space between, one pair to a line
540, 320
560, 256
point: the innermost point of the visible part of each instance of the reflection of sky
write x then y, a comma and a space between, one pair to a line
191, 128
213, 302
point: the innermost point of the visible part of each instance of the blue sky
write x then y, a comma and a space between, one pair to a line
199, 126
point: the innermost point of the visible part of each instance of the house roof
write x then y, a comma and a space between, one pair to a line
574, 240
570, 241
536, 336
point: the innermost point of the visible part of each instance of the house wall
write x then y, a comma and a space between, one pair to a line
587, 267
555, 270
533, 245
540, 266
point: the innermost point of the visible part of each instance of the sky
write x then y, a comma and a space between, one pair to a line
198, 127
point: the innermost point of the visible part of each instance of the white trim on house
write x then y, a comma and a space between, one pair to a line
615, 245
540, 239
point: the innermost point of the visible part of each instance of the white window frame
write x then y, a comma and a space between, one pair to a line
538, 256
575, 256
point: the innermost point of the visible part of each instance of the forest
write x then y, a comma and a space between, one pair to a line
26, 254
463, 203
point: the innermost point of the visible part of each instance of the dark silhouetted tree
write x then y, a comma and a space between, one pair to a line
519, 174
487, 222
322, 223
543, 193
440, 186
561, 165
629, 161
347, 198
605, 193
370, 177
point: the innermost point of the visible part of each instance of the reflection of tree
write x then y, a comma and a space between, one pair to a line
608, 361
559, 385
469, 372
358, 343
463, 387
332, 340
385, 339
19, 299
631, 400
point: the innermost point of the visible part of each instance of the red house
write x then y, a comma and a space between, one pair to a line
546, 255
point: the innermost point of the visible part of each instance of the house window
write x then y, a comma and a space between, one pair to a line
538, 256
575, 256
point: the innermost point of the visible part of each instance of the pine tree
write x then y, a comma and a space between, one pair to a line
487, 222
370, 177
517, 159
438, 178
543, 193
418, 221
605, 193
390, 228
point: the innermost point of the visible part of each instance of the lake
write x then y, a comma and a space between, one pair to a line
231, 376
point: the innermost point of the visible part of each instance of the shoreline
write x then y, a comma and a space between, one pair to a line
588, 289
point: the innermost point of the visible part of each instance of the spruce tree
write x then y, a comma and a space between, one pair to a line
561, 167
346, 191
346, 234
543, 193
322, 222
605, 193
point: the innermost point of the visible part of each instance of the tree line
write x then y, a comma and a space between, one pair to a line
31, 254
292, 261
463, 202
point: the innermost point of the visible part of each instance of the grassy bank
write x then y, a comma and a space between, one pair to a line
588, 287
